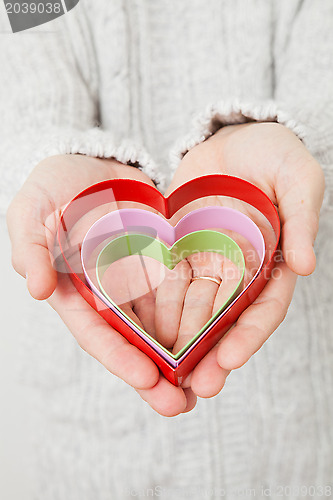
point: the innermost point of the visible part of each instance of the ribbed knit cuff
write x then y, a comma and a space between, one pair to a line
22, 158
101, 144
233, 112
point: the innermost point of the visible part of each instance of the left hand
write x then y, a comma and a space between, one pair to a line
270, 156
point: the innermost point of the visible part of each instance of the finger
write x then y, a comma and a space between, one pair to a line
127, 309
197, 311
170, 297
128, 282
208, 377
300, 191
32, 244
41, 275
199, 299
165, 398
100, 340
258, 321
230, 279
144, 309
148, 276
186, 383
191, 400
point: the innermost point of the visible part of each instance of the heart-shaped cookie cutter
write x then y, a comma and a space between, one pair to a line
194, 223
117, 190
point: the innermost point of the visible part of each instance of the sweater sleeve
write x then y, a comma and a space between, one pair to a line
303, 54
302, 98
49, 101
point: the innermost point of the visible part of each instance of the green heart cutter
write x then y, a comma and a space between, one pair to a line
195, 242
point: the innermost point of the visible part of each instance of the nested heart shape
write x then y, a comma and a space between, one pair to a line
187, 237
199, 241
130, 190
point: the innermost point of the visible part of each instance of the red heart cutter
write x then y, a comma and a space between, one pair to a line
136, 191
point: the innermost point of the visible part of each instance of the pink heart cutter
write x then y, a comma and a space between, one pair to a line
143, 221
120, 190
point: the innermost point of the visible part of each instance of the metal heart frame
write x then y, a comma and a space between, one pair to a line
152, 225
136, 191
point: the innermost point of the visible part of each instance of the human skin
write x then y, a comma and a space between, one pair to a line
270, 156
266, 154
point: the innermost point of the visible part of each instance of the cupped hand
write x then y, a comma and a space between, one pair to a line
270, 156
32, 219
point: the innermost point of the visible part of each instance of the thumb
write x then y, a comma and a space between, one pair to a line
300, 192
32, 243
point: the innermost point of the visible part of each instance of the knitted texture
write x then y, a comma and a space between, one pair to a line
144, 82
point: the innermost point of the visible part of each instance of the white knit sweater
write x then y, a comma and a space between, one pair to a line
144, 81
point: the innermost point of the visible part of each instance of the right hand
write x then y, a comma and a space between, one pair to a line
32, 222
